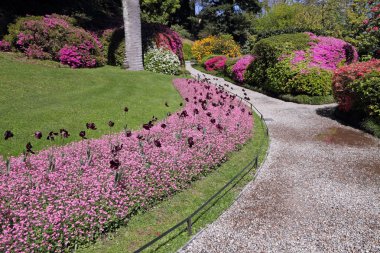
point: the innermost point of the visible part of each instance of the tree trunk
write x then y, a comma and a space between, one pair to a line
132, 29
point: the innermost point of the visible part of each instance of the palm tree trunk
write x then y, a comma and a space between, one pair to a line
132, 28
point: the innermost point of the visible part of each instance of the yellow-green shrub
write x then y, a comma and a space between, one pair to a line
215, 45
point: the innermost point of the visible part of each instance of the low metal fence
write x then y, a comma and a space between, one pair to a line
188, 221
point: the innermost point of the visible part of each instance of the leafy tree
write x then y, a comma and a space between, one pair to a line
227, 16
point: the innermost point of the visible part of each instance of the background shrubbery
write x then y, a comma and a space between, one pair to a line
161, 60
215, 45
56, 37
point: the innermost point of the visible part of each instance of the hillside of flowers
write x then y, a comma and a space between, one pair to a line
66, 196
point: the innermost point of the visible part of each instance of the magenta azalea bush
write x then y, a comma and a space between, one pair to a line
51, 37
66, 196
5, 46
310, 71
216, 63
241, 66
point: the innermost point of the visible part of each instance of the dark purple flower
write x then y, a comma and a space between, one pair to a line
187, 99
196, 111
8, 134
242, 110
190, 142
157, 143
128, 133
250, 113
140, 137
64, 133
209, 114
183, 114
82, 134
163, 125
148, 126
232, 107
111, 123
51, 135
114, 164
116, 149
38, 135
213, 121
199, 127
29, 148
219, 127
91, 126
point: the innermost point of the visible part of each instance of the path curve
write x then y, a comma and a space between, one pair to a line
318, 190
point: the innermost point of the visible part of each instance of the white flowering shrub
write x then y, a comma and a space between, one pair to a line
161, 60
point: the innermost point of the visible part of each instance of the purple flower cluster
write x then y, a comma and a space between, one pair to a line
78, 56
66, 196
241, 66
327, 53
5, 46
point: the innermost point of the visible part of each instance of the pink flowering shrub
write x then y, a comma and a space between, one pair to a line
44, 37
66, 196
241, 66
77, 57
356, 87
5, 46
216, 63
153, 35
309, 71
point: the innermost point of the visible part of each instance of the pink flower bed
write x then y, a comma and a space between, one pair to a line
216, 63
241, 66
69, 195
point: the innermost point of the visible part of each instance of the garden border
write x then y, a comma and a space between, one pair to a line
252, 164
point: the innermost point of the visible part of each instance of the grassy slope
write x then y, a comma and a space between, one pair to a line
146, 226
44, 97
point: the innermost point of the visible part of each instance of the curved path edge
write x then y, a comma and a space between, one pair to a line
317, 191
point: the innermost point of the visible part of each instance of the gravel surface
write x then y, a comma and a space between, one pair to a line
318, 190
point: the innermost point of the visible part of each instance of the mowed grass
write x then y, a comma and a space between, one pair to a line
40, 96
145, 226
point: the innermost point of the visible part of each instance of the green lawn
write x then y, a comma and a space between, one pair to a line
42, 96
144, 227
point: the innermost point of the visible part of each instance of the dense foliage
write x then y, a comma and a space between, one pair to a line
55, 37
153, 35
215, 45
357, 88
161, 60
299, 64
79, 191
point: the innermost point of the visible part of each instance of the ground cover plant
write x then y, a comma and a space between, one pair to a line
103, 181
41, 96
145, 226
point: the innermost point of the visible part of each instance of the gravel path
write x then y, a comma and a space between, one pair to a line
318, 190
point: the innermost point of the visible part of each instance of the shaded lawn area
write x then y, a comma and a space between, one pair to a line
44, 97
145, 226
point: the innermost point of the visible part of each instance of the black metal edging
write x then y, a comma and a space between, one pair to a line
252, 164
